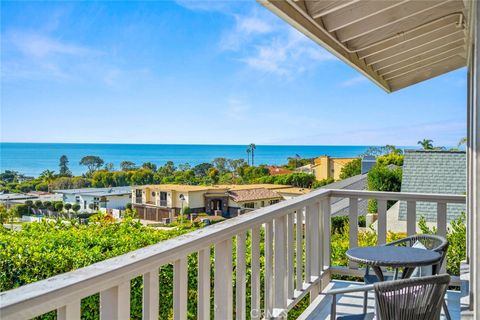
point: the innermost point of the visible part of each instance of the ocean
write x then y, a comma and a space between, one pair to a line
32, 158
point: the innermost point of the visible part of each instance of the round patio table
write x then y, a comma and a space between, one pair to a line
395, 257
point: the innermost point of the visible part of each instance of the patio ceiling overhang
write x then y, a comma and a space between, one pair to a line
395, 43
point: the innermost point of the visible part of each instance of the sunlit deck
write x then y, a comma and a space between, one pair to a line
352, 304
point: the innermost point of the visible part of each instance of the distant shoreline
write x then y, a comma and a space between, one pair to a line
32, 158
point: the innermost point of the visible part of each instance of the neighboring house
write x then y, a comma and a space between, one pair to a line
11, 199
325, 167
251, 199
273, 171
341, 206
441, 172
155, 202
100, 198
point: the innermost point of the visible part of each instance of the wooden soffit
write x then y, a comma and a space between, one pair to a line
395, 43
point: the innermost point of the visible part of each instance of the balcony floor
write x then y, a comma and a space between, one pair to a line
352, 303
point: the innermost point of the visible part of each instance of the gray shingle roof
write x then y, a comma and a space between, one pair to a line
340, 206
434, 172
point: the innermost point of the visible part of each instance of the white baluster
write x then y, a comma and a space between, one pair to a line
280, 265
308, 244
290, 256
223, 295
353, 223
382, 221
203, 298
115, 302
326, 207
180, 289
255, 312
268, 289
411, 217
70, 311
442, 228
315, 239
150, 295
240, 306
299, 248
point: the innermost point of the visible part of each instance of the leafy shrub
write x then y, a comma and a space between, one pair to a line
42, 250
351, 169
382, 178
323, 182
456, 236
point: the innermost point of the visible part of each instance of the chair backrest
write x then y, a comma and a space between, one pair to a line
411, 299
431, 242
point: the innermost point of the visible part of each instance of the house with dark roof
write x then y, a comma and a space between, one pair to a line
432, 171
442, 172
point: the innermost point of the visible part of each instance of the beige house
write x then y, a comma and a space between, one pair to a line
155, 202
325, 167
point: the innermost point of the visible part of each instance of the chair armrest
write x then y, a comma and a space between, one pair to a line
350, 289
334, 292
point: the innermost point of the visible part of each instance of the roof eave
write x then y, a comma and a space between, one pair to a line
289, 11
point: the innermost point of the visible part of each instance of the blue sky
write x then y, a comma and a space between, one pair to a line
199, 72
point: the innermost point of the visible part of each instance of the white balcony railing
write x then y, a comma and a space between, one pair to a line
288, 276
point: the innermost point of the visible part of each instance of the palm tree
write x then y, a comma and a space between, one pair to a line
252, 148
248, 155
47, 177
426, 144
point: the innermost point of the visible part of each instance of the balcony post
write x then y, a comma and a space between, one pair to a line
475, 148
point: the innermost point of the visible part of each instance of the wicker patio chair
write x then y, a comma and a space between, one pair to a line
407, 299
430, 242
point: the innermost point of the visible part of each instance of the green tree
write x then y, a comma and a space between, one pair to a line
202, 169
64, 171
9, 176
127, 165
109, 166
351, 169
92, 163
382, 178
47, 176
214, 175
68, 206
38, 204
150, 166
248, 155
76, 207
426, 144
58, 206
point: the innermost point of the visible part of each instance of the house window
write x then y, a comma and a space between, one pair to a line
263, 203
138, 196
274, 201
250, 205
153, 194
77, 199
163, 199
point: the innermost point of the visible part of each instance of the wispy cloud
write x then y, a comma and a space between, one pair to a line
357, 80
262, 43
43, 57
34, 45
202, 5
